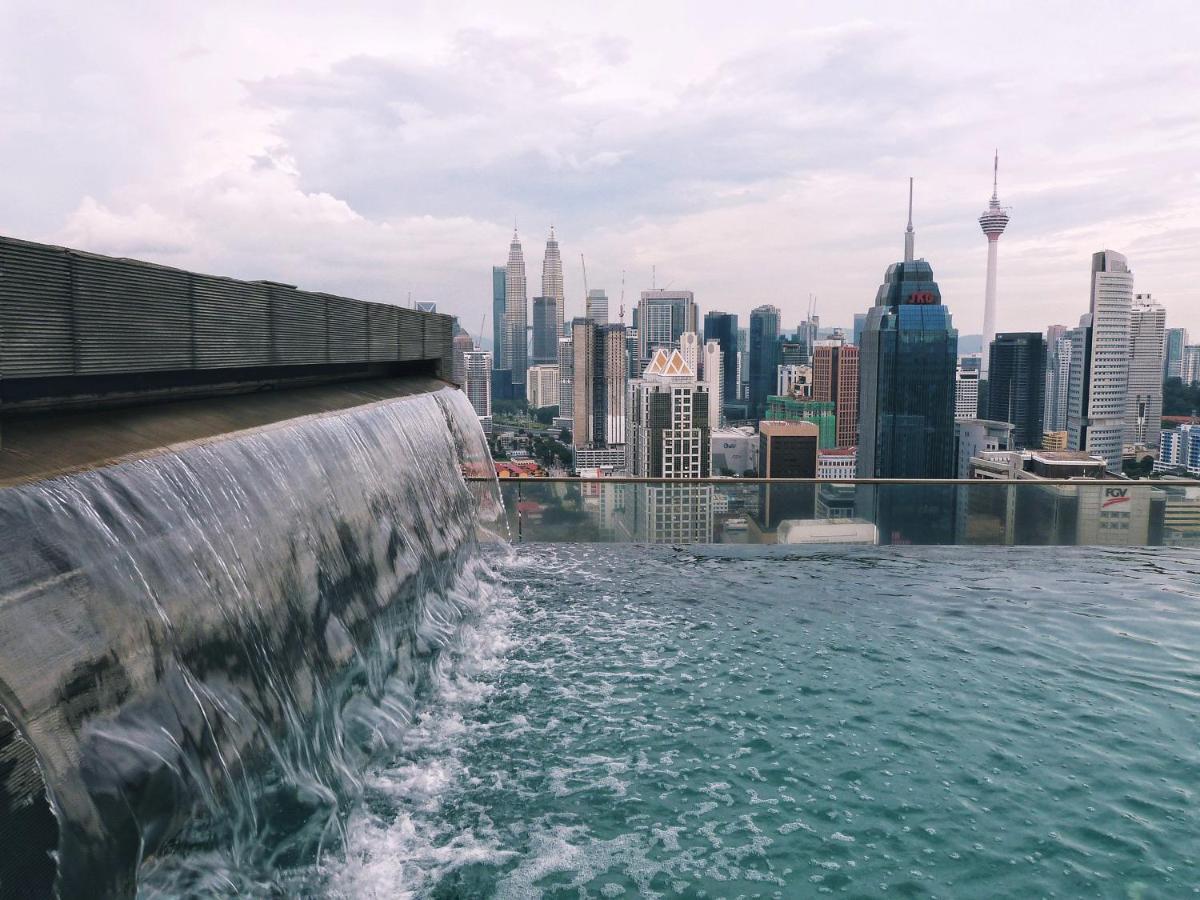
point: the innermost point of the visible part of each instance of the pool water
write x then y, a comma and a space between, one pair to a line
625, 721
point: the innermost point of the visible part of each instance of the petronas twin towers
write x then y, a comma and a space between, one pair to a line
514, 352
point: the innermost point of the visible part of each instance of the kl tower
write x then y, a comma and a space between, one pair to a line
993, 222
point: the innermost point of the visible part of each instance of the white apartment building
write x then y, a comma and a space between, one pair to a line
541, 386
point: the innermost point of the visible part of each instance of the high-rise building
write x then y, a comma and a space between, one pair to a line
546, 331
785, 450
1179, 448
1173, 343
793, 381
1100, 363
835, 380
597, 306
566, 380
515, 355
662, 317
599, 377
499, 277
668, 420
462, 344
541, 386
906, 375
1144, 397
795, 353
552, 282
1058, 378
993, 221
1191, 364
478, 382
966, 388
860, 322
712, 373
764, 356
1017, 385
722, 327
689, 349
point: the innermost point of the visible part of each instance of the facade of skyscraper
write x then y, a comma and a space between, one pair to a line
764, 357
835, 380
1191, 364
462, 344
906, 376
499, 277
722, 327
785, 450
596, 307
546, 331
1058, 378
1017, 385
599, 377
689, 349
478, 381
860, 322
662, 317
541, 386
668, 420
1173, 343
566, 378
822, 414
1100, 365
515, 355
712, 373
966, 388
552, 282
1144, 398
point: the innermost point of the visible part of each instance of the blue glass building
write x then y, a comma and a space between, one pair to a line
722, 327
764, 357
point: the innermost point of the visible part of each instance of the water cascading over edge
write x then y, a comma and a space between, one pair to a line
196, 639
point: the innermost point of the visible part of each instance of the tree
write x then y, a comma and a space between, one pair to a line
1180, 399
565, 437
546, 414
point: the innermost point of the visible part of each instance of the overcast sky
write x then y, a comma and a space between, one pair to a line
754, 153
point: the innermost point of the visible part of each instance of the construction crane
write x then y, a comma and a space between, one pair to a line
621, 311
482, 322
583, 264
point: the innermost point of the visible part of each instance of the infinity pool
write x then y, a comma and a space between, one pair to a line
744, 722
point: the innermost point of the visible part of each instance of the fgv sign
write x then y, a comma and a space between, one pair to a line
1114, 496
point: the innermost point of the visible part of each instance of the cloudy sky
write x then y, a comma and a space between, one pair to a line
754, 153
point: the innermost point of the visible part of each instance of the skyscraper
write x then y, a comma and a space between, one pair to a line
566, 379
1144, 399
1058, 378
1173, 343
785, 450
906, 375
597, 306
599, 377
993, 221
662, 317
541, 386
668, 420
552, 282
462, 344
835, 380
1100, 363
515, 356
1017, 386
966, 388
860, 322
499, 276
712, 373
764, 357
722, 327
545, 330
478, 381
689, 349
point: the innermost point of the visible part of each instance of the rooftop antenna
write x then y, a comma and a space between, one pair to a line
621, 312
583, 264
908, 232
482, 323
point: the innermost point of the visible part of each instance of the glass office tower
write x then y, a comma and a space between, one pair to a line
722, 327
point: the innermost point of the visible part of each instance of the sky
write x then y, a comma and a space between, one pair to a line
753, 153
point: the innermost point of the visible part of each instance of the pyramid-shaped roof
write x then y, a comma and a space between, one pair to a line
669, 365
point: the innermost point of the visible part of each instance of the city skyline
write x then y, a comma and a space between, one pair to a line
364, 159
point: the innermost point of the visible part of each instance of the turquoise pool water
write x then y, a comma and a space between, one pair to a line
624, 721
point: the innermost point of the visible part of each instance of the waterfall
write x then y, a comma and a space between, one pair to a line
194, 645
